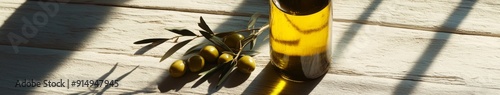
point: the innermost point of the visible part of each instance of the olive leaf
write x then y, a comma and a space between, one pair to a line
215, 40
252, 21
265, 38
251, 24
225, 73
174, 49
183, 32
249, 39
204, 26
208, 73
252, 44
152, 40
195, 48
222, 34
225, 69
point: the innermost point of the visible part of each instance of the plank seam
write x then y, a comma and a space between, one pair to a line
414, 27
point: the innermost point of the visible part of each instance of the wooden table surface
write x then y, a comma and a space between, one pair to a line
380, 47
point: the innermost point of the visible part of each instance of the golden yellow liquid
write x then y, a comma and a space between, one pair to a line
299, 38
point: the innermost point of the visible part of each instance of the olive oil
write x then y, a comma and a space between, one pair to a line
299, 38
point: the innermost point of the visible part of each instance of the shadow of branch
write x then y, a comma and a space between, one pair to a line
117, 79
93, 87
171, 83
147, 48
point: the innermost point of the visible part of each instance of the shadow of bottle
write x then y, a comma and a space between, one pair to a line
270, 82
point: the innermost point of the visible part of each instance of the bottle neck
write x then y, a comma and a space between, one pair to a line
300, 7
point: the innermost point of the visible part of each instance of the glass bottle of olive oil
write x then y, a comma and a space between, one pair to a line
299, 38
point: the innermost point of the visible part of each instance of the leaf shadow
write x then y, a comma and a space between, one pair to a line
92, 90
147, 48
170, 83
117, 79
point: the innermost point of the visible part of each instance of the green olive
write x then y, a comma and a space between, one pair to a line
177, 69
196, 63
233, 40
224, 58
246, 64
209, 53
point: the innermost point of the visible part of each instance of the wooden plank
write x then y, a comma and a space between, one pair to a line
88, 27
456, 16
467, 17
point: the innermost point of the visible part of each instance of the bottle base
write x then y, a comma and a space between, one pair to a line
287, 77
292, 77
300, 68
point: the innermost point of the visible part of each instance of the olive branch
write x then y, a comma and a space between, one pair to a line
214, 38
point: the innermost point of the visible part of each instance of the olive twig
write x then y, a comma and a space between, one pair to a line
232, 46
234, 61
